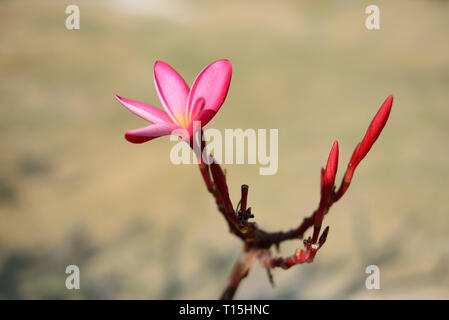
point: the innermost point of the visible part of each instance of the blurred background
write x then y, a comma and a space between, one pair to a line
74, 191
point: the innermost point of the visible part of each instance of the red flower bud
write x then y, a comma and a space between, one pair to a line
360, 151
331, 166
328, 177
327, 187
373, 132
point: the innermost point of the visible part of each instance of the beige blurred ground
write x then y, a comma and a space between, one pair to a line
73, 191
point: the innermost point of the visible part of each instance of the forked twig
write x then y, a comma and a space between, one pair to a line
257, 242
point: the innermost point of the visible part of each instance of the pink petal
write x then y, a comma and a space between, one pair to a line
212, 84
205, 116
148, 133
198, 107
172, 91
144, 111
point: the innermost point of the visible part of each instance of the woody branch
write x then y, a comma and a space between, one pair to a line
257, 242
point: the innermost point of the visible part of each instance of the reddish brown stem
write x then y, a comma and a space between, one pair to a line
239, 272
258, 242
300, 256
244, 198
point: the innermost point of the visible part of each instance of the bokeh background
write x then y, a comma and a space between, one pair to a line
73, 191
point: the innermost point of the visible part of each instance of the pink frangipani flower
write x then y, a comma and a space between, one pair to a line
182, 105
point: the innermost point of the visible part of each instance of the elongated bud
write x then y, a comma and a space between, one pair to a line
374, 130
372, 133
328, 176
332, 165
327, 186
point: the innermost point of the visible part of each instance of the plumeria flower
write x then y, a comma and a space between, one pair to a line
182, 105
